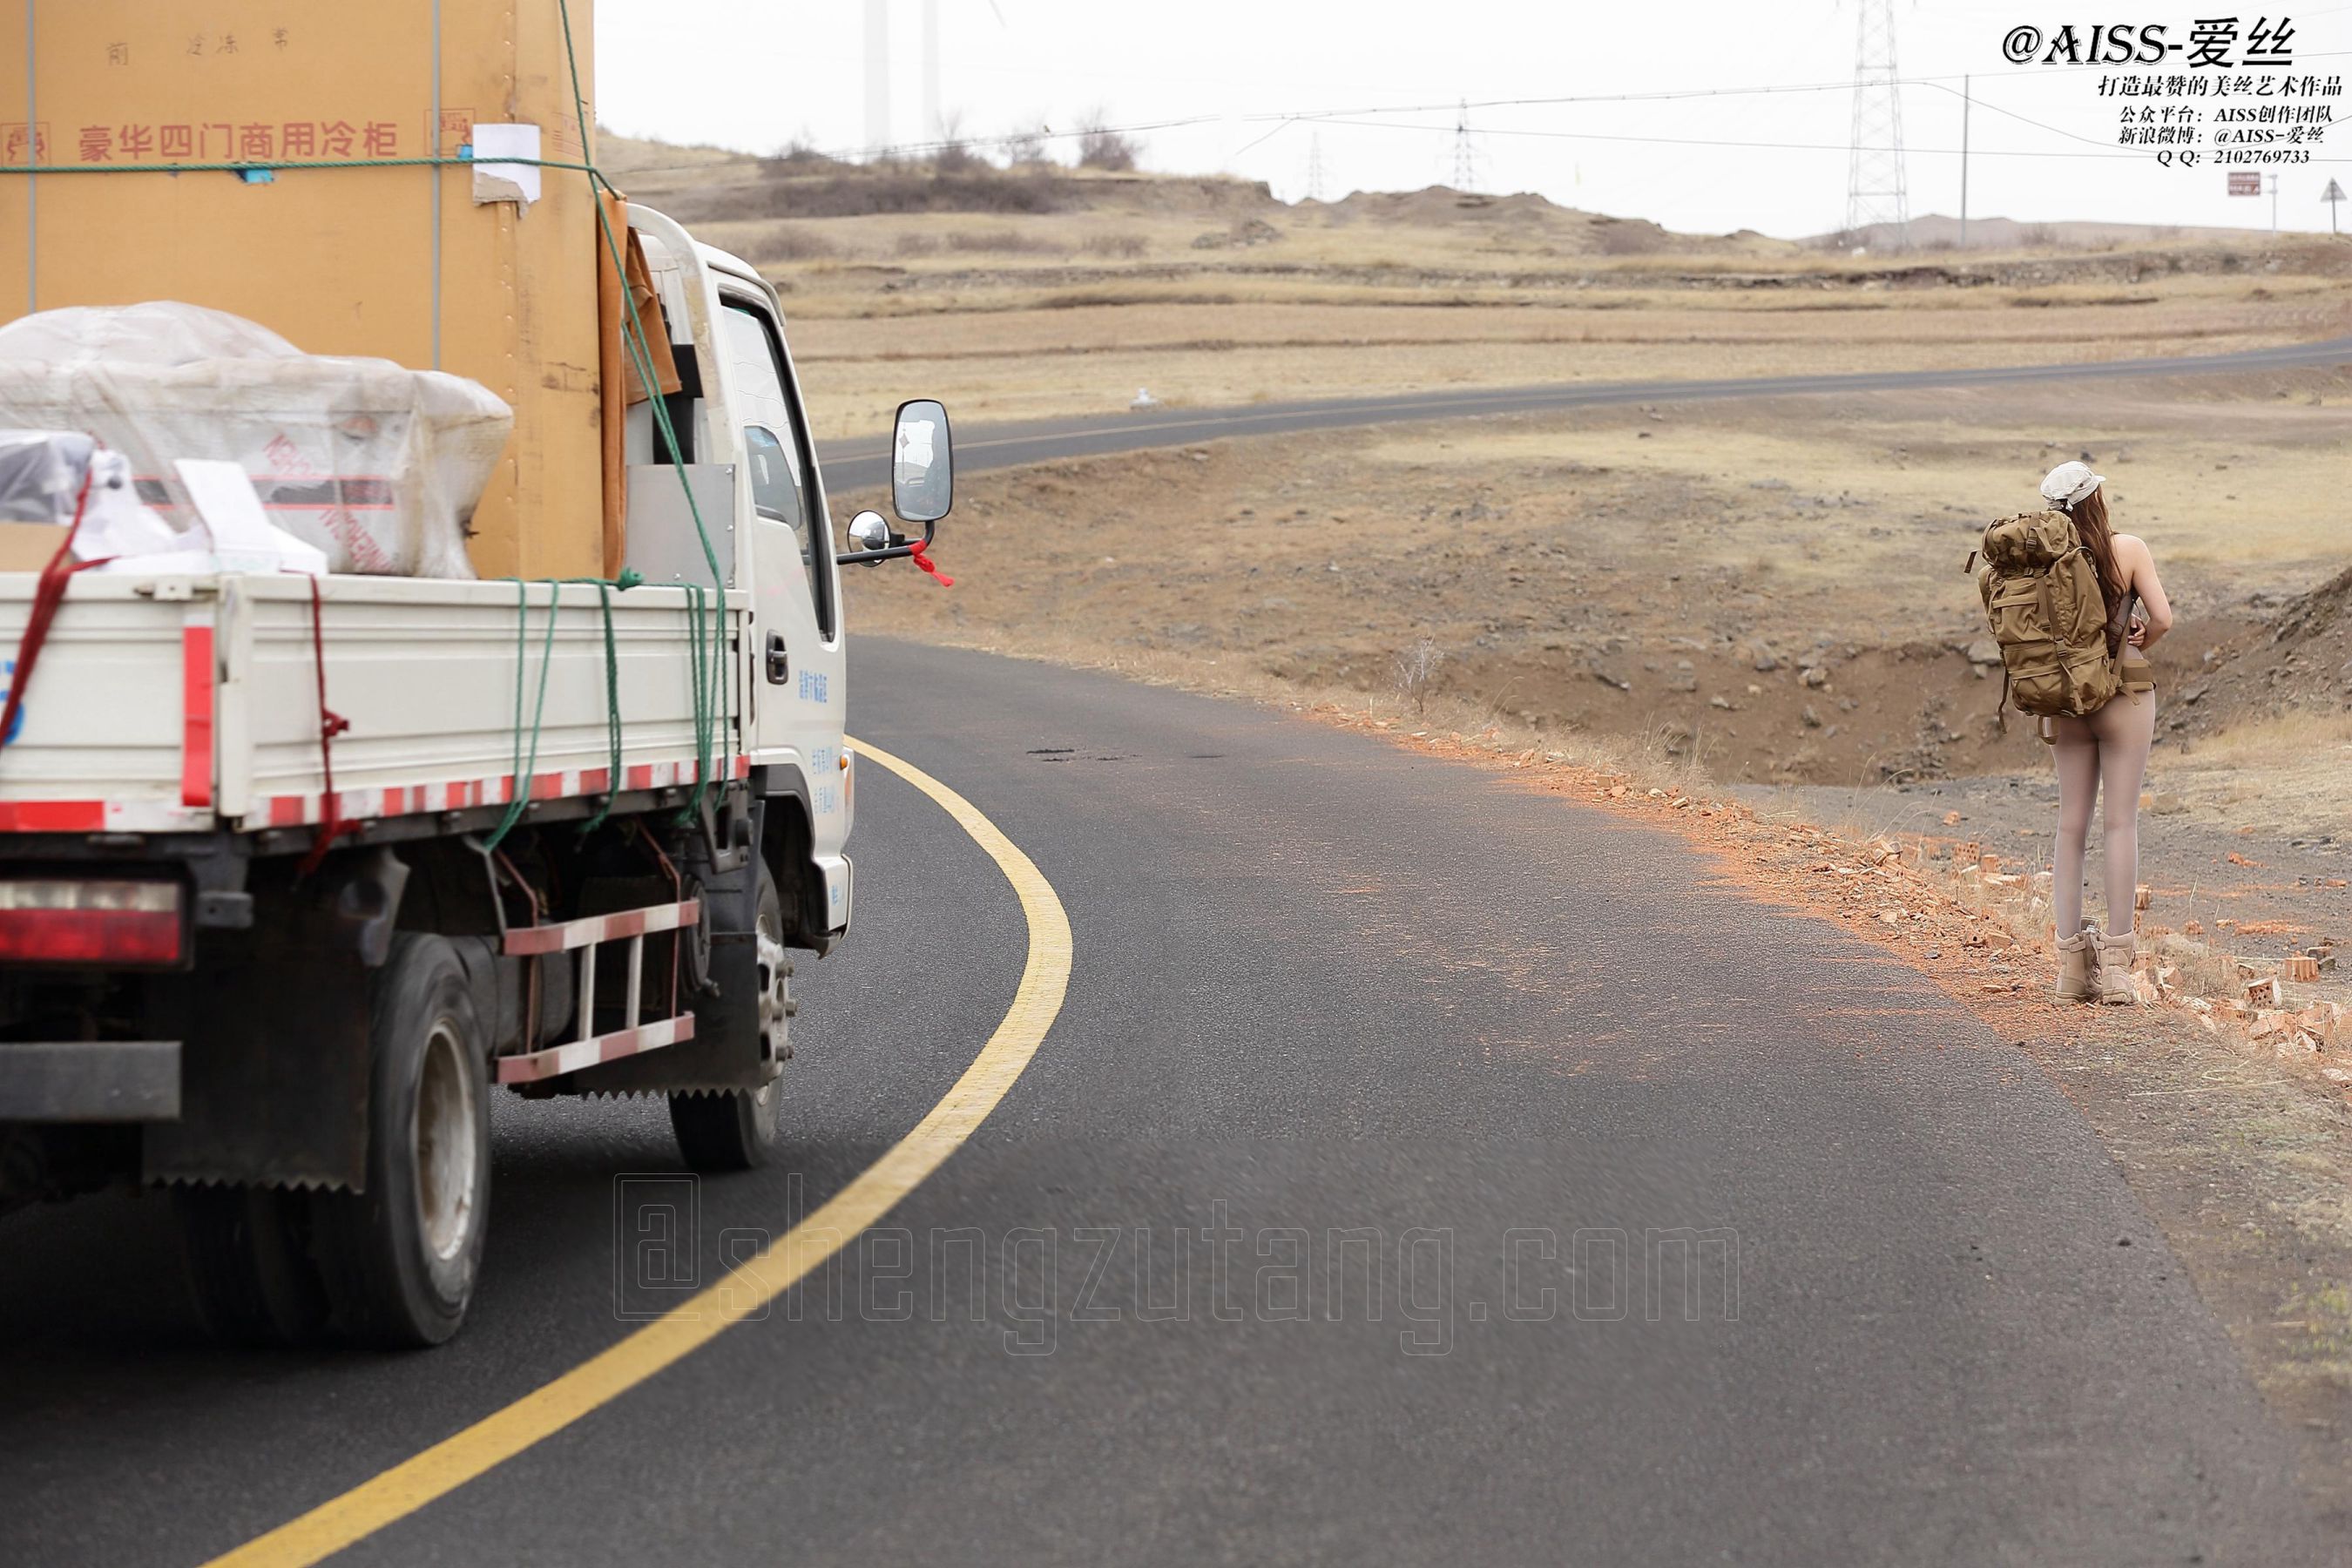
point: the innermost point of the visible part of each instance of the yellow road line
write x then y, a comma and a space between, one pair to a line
454, 1460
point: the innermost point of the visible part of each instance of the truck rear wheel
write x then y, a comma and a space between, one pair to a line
744, 1129
400, 1259
248, 1252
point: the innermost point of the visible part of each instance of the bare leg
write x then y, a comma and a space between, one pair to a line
2125, 729
2077, 754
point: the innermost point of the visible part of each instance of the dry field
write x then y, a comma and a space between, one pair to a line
1667, 573
1032, 360
1208, 292
1656, 578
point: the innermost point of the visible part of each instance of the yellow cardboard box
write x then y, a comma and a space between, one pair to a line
400, 262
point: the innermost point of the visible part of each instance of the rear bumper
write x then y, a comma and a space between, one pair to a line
90, 1080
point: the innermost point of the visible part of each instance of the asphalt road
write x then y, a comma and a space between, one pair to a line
862, 464
1330, 1000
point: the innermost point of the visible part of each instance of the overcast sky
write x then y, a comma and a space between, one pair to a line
756, 74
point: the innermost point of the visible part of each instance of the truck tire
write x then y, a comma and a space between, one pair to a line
744, 1129
400, 1259
248, 1258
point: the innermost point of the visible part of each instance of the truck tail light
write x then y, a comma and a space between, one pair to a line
76, 921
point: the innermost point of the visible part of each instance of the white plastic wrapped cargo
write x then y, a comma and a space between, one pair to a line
377, 465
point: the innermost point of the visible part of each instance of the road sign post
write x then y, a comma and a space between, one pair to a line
2331, 196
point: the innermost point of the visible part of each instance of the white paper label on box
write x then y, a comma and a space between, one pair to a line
497, 182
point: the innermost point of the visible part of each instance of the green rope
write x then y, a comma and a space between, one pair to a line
612, 697
704, 665
710, 668
526, 765
520, 795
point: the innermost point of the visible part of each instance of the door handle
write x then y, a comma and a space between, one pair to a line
780, 667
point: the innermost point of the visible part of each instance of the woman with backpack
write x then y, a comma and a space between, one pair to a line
2105, 749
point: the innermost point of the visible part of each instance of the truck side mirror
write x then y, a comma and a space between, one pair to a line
923, 464
922, 489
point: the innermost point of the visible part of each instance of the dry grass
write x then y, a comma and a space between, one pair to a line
1830, 499
1622, 570
1002, 350
2327, 734
2283, 775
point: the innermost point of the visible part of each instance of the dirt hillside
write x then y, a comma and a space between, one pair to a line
2299, 660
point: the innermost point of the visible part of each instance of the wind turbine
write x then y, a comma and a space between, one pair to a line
878, 77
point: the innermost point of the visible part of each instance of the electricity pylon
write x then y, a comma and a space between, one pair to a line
1466, 152
1875, 189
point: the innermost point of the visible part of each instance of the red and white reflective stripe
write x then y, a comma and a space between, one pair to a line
522, 942
602, 1048
192, 811
196, 707
102, 817
408, 800
52, 816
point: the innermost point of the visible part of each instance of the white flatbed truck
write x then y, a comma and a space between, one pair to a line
289, 999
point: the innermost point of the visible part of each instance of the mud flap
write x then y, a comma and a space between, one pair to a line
275, 1047
273, 1065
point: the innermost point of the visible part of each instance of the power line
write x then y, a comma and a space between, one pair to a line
1282, 119
1723, 141
1662, 94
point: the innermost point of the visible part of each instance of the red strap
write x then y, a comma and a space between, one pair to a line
915, 553
330, 724
47, 595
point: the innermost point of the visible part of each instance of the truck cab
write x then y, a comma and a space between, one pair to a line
741, 418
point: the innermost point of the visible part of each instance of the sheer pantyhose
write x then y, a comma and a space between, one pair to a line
2104, 753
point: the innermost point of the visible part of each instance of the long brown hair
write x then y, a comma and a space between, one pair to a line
2090, 515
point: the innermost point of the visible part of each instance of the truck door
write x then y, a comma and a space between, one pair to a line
797, 661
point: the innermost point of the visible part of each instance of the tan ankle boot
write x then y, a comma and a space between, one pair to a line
2114, 981
2078, 964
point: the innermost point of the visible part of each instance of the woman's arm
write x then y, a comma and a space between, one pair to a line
2154, 618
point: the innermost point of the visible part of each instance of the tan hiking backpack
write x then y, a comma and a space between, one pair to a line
2041, 590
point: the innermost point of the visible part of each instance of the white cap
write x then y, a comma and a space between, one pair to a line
2070, 484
